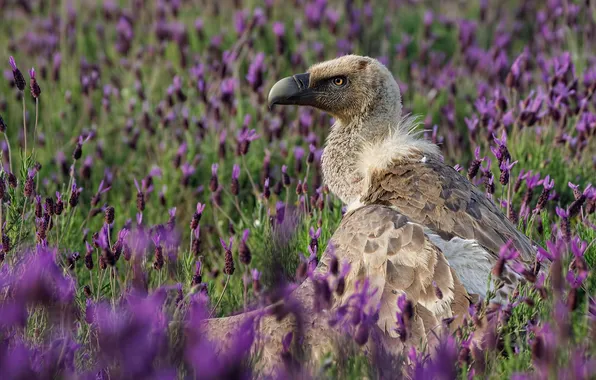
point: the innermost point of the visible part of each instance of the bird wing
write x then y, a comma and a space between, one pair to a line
397, 257
435, 195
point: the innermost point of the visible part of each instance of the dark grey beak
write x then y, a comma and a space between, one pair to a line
292, 90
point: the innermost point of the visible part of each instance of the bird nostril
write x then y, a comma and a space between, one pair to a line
301, 80
298, 82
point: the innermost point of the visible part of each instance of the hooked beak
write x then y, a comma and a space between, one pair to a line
292, 90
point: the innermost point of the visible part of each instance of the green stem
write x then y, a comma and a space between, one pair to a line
113, 286
101, 275
224, 213
24, 126
252, 183
68, 222
237, 205
221, 296
57, 228
9, 152
23, 217
508, 197
35, 128
244, 283
287, 196
91, 281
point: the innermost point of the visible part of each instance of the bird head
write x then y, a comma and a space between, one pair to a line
347, 87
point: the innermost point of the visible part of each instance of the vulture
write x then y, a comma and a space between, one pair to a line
413, 225
374, 158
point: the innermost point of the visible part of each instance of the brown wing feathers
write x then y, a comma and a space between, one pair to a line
398, 258
435, 195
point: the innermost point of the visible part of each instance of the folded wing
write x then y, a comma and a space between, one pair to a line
433, 194
397, 257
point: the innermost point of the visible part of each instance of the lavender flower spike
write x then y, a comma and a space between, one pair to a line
33, 85
214, 181
229, 259
235, 185
19, 79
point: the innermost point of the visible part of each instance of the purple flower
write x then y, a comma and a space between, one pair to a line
229, 259
576, 280
236, 172
19, 80
477, 154
100, 190
74, 194
467, 33
39, 280
280, 212
505, 168
255, 72
214, 168
314, 238
314, 12
200, 208
578, 247
228, 86
561, 212
240, 18
259, 17
576, 190
140, 196
589, 78
503, 152
404, 315
227, 246
562, 65
245, 137
298, 156
187, 171
256, 275
516, 69
472, 124
506, 253
532, 180
244, 254
286, 341
214, 181
547, 183
12, 63
531, 107
332, 17
279, 29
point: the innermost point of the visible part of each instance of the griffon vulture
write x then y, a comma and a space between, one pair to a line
372, 157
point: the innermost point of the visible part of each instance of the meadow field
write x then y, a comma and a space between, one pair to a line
146, 186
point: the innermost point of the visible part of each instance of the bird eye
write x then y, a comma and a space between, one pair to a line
339, 81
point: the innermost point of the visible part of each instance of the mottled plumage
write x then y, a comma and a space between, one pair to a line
373, 156
434, 194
